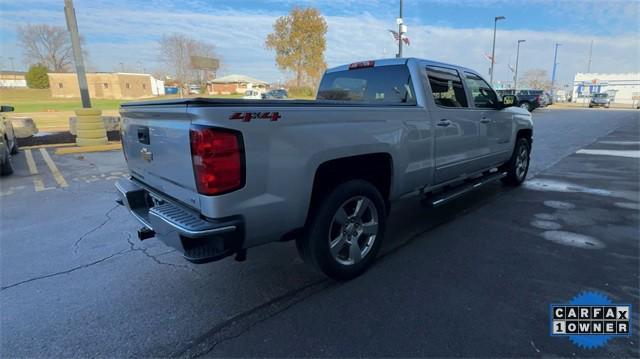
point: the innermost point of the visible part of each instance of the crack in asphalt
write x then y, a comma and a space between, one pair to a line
133, 248
245, 321
66, 271
76, 245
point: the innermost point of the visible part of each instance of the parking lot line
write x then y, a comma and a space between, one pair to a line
54, 169
33, 170
31, 163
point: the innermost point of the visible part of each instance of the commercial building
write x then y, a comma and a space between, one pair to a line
107, 85
623, 88
12, 79
234, 84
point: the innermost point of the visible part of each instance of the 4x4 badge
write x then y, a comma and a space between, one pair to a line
248, 116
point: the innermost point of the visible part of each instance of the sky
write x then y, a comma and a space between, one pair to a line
459, 32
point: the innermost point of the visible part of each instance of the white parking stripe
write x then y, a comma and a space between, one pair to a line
621, 143
38, 184
54, 169
31, 163
629, 154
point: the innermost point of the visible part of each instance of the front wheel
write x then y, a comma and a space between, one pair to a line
518, 165
526, 106
345, 233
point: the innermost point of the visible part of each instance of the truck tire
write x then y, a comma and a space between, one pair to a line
14, 147
7, 167
344, 235
518, 165
525, 105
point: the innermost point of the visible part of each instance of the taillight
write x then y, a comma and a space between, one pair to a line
538, 99
217, 157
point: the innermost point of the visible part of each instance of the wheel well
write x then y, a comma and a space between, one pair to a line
375, 168
525, 133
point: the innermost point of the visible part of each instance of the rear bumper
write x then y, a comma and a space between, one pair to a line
201, 240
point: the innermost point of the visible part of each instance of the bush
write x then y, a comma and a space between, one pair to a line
302, 91
37, 77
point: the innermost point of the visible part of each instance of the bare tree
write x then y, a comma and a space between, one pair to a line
176, 51
537, 79
47, 45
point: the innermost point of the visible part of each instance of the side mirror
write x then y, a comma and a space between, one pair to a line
6, 109
509, 100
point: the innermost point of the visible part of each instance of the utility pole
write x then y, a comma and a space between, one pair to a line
515, 77
72, 25
402, 28
493, 48
590, 54
553, 73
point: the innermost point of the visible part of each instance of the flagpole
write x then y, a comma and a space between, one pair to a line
400, 21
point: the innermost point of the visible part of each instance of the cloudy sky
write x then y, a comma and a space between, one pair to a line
127, 31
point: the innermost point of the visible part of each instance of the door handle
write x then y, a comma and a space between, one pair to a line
485, 120
443, 123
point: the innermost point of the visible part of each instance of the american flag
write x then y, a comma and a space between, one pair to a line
489, 57
396, 36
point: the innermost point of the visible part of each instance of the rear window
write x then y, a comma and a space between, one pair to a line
382, 85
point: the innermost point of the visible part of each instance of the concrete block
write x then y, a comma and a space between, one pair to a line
111, 123
23, 127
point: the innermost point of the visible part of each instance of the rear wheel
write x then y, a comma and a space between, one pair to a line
7, 167
518, 165
345, 233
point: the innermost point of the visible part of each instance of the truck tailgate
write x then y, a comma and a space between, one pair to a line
157, 147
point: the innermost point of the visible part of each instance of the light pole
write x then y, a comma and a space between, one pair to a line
402, 29
553, 73
72, 25
493, 48
515, 77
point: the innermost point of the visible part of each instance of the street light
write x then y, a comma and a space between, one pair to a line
553, 74
515, 77
493, 48
402, 28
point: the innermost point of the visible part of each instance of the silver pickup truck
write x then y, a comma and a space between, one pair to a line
214, 177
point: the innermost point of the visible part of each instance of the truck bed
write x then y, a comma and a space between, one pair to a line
220, 102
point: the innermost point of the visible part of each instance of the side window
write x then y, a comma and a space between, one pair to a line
446, 87
483, 95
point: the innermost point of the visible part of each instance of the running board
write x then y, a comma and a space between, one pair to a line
449, 195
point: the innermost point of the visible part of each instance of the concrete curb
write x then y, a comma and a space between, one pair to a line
114, 146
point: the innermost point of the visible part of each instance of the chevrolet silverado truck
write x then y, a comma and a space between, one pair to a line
215, 177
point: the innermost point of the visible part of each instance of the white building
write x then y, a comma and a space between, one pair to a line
622, 88
12, 79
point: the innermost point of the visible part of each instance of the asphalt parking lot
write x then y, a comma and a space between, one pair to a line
473, 278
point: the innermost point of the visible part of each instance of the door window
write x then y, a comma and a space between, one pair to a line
483, 95
446, 87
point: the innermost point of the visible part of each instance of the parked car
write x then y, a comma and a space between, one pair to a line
526, 99
279, 94
8, 142
220, 176
194, 89
600, 100
252, 95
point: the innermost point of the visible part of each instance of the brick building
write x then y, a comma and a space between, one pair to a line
106, 85
12, 79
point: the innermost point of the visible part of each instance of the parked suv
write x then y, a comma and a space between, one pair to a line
600, 100
214, 177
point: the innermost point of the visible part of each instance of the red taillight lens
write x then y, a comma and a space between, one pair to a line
217, 160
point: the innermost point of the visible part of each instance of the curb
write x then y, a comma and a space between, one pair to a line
113, 146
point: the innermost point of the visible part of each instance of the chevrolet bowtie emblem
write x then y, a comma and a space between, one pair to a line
146, 154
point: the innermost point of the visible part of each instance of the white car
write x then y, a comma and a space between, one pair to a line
252, 95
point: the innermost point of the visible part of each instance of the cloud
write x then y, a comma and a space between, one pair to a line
117, 33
